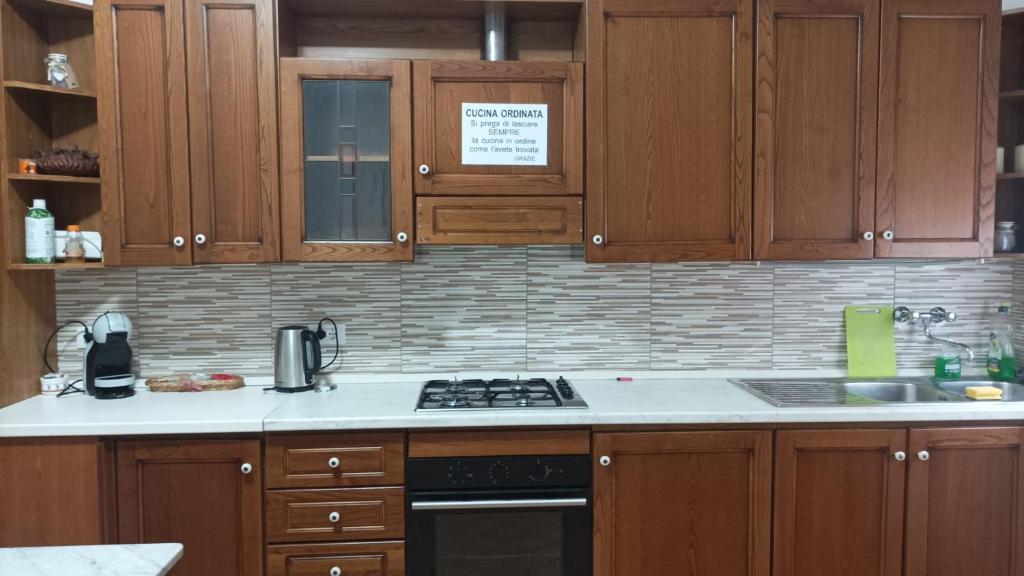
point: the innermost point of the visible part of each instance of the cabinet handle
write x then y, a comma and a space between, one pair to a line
900, 456
923, 455
605, 461
869, 235
334, 517
178, 241
246, 468
888, 235
335, 571
334, 462
402, 237
200, 239
424, 169
598, 239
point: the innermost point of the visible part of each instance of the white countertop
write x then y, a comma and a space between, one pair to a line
382, 404
114, 560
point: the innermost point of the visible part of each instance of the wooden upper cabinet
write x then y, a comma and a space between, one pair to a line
816, 123
839, 502
233, 130
143, 118
346, 137
937, 127
669, 101
194, 492
445, 88
965, 513
682, 503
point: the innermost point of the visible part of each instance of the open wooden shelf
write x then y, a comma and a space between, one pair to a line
54, 178
55, 266
1010, 176
49, 91
57, 8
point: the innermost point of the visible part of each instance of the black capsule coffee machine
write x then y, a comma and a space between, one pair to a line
108, 361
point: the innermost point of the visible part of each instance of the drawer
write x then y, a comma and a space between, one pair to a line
352, 559
338, 514
335, 460
506, 220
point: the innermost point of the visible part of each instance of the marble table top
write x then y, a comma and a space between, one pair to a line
112, 560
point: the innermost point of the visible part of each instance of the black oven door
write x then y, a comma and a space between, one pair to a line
499, 533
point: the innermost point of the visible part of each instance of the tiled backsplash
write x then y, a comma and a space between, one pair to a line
516, 308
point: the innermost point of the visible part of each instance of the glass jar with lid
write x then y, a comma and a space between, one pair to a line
1006, 237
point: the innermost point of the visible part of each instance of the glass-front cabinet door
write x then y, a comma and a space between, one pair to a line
347, 193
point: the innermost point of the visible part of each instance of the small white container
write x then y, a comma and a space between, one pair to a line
1018, 158
52, 383
1000, 160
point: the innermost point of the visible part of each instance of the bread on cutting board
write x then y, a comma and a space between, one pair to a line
194, 382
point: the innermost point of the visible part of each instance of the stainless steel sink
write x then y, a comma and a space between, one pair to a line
847, 392
890, 392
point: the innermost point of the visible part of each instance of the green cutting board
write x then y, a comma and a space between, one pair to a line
870, 344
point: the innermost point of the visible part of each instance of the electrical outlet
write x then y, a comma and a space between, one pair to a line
332, 336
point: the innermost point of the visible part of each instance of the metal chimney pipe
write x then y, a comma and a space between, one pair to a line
494, 31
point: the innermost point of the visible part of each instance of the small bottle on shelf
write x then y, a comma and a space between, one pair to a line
39, 241
74, 245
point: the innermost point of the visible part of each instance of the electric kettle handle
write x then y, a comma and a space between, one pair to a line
311, 366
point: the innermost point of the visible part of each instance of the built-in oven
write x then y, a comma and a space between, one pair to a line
499, 516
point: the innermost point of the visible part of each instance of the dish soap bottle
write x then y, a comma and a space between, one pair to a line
39, 245
1000, 347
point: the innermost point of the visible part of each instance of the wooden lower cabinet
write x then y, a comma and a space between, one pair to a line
964, 505
682, 503
51, 492
839, 502
204, 494
354, 559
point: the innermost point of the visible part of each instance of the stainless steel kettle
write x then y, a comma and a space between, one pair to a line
297, 359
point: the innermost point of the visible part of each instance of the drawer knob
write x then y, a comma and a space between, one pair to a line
200, 239
605, 461
597, 239
335, 571
923, 455
900, 456
869, 235
334, 462
246, 468
402, 237
888, 235
179, 241
424, 169
334, 517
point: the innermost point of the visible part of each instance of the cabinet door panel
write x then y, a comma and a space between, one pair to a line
839, 502
443, 87
937, 127
233, 129
965, 514
817, 72
683, 504
346, 133
193, 492
143, 117
669, 128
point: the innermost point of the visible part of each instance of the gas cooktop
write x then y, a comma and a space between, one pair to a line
500, 393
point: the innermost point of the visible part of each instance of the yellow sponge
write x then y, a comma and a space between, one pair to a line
984, 393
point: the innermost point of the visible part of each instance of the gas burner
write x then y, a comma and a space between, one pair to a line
524, 401
454, 401
519, 387
455, 388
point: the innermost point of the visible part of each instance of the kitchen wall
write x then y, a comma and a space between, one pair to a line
539, 308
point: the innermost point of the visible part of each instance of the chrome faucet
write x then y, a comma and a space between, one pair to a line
927, 320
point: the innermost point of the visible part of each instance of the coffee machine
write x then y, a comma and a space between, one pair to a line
108, 359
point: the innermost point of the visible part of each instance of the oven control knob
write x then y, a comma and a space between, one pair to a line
500, 473
540, 472
458, 473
